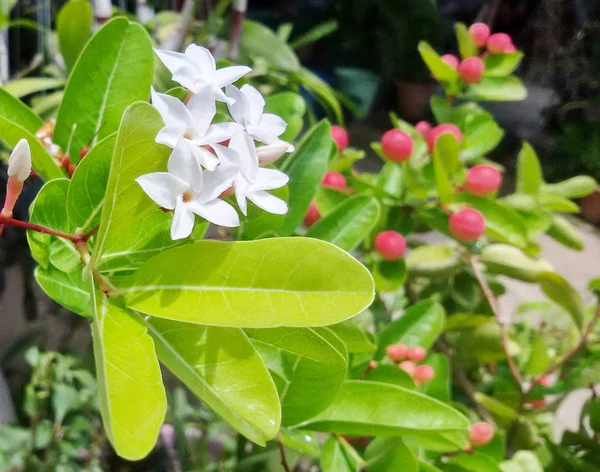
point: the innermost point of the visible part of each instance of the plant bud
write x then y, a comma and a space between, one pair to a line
408, 367
19, 162
340, 137
451, 60
471, 70
480, 434
312, 215
480, 32
416, 354
271, 152
424, 373
466, 225
397, 352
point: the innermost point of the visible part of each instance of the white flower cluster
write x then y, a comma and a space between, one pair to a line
201, 167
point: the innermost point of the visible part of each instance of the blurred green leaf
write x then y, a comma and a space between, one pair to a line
432, 261
23, 87
258, 40
466, 45
74, 27
498, 65
501, 89
565, 233
315, 33
563, 293
529, 171
390, 455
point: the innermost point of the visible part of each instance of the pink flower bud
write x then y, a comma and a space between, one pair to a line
451, 60
416, 354
408, 367
480, 32
480, 434
271, 152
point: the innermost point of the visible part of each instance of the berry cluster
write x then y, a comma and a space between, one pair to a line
407, 359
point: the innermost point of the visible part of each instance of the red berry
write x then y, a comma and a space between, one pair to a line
466, 225
482, 180
83, 152
397, 352
423, 127
480, 434
312, 215
334, 180
451, 60
537, 403
499, 43
441, 129
424, 373
390, 245
471, 70
396, 145
66, 161
510, 49
480, 32
416, 354
408, 367
340, 137
71, 169
373, 365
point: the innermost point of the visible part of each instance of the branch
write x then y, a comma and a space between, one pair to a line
284, 463
489, 295
238, 12
75, 238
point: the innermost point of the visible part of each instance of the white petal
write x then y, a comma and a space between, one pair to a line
271, 152
216, 182
220, 95
239, 105
256, 101
206, 158
217, 212
183, 220
202, 108
275, 124
242, 143
220, 132
171, 109
203, 60
187, 77
184, 165
263, 135
269, 179
227, 156
170, 135
268, 202
172, 60
19, 162
241, 186
228, 75
163, 188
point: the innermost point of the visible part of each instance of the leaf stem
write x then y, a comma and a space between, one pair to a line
75, 238
284, 462
350, 450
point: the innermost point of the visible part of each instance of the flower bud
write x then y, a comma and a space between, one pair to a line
271, 152
19, 162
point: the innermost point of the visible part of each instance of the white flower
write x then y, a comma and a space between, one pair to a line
271, 152
188, 127
249, 180
247, 107
19, 162
185, 189
196, 70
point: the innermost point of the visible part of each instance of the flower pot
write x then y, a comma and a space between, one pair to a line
590, 207
412, 99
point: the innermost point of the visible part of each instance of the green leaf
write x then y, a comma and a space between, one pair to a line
538, 360
391, 179
503, 414
64, 399
355, 339
327, 199
309, 366
349, 223
47, 105
563, 293
291, 107
474, 462
565, 233
305, 168
508, 260
314, 34
501, 89
529, 171
88, 185
254, 284
481, 135
23, 87
223, 369
576, 187
259, 41
498, 65
74, 26
420, 325
442, 71
466, 45
334, 457
479, 345
390, 455
389, 275
442, 181
377, 409
391, 374
114, 70
301, 441
18, 113
321, 90
131, 393
553, 202
132, 227
526, 461
439, 386
67, 289
432, 261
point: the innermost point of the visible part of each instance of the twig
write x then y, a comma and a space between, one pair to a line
75, 238
236, 22
284, 463
489, 295
175, 39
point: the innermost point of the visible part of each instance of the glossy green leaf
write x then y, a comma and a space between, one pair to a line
309, 366
442, 71
67, 289
291, 107
327, 199
17, 112
474, 462
529, 171
466, 45
335, 458
23, 87
442, 181
563, 293
432, 261
420, 325
391, 374
258, 41
439, 386
575, 187
391, 179
355, 339
257, 284
114, 70
508, 260
501, 89
131, 393
305, 168
349, 223
390, 455
563, 231
74, 26
553, 202
223, 369
88, 185
498, 65
481, 136
132, 227
389, 275
373, 408
301, 441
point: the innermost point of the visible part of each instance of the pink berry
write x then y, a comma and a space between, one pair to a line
545, 381
373, 365
537, 403
510, 49
480, 32
441, 129
334, 180
390, 245
416, 354
480, 434
340, 137
482, 180
397, 352
471, 70
498, 43
423, 127
466, 225
312, 215
396, 145
424, 373
451, 60
408, 367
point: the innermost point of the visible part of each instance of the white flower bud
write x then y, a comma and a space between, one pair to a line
271, 152
19, 163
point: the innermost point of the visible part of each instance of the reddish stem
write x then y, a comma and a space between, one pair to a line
75, 238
